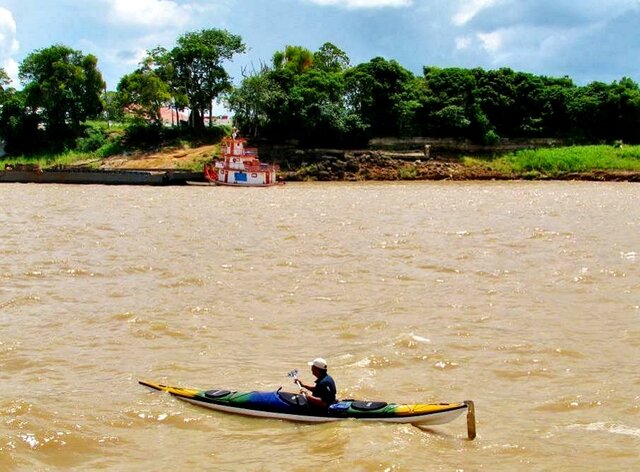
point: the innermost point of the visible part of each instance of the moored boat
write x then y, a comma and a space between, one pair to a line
34, 174
294, 407
239, 166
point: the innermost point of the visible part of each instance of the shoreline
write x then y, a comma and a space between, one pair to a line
383, 160
376, 165
434, 170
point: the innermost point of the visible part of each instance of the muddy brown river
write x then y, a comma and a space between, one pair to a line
521, 296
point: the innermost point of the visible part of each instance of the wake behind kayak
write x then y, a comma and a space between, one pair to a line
294, 407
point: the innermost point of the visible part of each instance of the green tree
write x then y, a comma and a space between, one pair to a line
5, 87
375, 91
195, 67
143, 93
607, 111
495, 94
284, 109
159, 61
63, 86
19, 127
294, 59
301, 96
320, 115
589, 112
627, 104
450, 107
330, 58
253, 100
409, 107
112, 106
555, 99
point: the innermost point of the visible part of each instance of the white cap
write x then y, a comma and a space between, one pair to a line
319, 362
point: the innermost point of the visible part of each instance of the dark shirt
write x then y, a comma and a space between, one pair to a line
325, 389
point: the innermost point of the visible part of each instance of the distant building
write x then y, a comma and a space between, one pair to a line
173, 117
218, 120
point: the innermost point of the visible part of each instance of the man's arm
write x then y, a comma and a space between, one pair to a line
317, 401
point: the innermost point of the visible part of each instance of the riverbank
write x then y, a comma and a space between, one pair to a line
446, 162
393, 160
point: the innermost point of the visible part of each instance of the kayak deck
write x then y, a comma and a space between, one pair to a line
293, 407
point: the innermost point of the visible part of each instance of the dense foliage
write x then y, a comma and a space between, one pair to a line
302, 96
303, 99
143, 93
62, 89
317, 98
193, 70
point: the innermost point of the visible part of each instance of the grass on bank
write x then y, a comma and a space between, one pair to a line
93, 160
554, 162
62, 159
102, 140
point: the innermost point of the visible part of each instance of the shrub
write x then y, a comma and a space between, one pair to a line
110, 148
408, 172
94, 138
490, 137
142, 135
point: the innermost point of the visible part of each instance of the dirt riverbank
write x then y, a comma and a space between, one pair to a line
164, 158
350, 165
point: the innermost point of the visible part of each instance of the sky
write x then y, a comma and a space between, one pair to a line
586, 40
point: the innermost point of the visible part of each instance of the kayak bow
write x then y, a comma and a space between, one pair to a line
294, 407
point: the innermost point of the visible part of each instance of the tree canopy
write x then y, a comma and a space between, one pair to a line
64, 84
144, 93
61, 89
194, 68
316, 97
5, 89
319, 97
302, 96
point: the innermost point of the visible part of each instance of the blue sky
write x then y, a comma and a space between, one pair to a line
587, 40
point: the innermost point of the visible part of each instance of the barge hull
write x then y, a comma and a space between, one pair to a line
104, 177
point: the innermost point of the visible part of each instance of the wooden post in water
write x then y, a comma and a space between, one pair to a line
471, 419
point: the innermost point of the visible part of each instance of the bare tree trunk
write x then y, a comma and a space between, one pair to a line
195, 119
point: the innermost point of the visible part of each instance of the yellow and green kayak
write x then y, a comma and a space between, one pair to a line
294, 407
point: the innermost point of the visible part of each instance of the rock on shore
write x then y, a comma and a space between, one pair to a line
356, 165
391, 161
383, 160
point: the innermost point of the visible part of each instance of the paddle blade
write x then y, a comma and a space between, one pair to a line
471, 419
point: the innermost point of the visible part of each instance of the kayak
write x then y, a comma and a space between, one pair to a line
294, 407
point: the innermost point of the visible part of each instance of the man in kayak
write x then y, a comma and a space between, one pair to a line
323, 393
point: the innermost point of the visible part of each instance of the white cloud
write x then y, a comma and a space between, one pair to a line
124, 59
354, 4
130, 57
463, 42
469, 9
529, 48
8, 44
10, 66
150, 13
492, 42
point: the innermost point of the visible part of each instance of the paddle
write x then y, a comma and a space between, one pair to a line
294, 375
471, 419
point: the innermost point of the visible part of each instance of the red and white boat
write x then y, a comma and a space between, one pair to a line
239, 166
